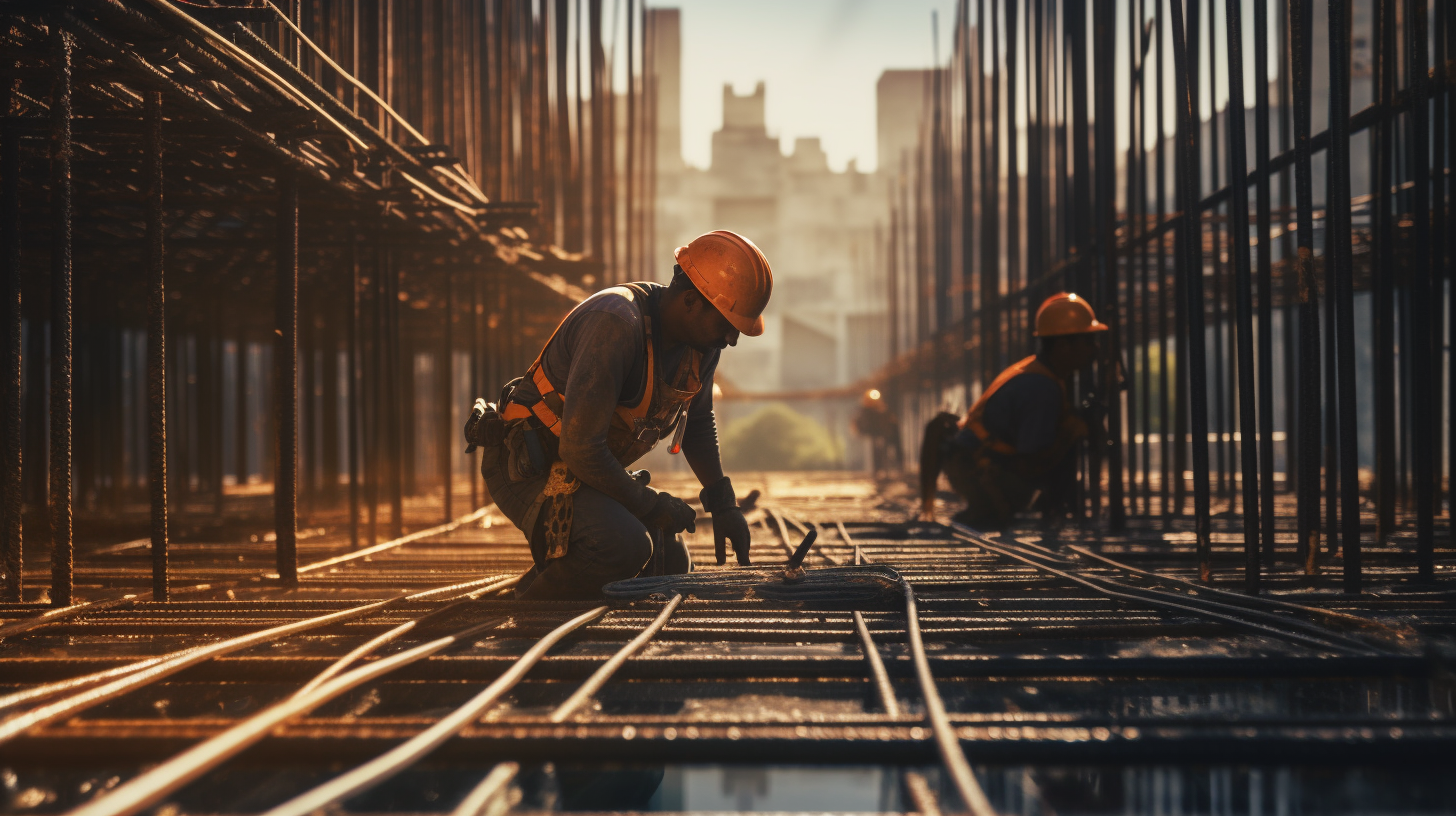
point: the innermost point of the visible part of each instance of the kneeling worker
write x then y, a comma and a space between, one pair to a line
629, 366
1020, 437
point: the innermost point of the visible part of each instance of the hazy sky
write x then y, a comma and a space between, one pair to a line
819, 58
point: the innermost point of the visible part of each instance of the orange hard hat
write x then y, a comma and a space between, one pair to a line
732, 274
1065, 313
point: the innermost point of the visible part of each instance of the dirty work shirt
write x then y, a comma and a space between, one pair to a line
600, 354
1024, 412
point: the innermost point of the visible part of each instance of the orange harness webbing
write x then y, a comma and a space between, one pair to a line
973, 416
550, 418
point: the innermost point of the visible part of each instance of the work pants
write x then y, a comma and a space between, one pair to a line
607, 543
994, 493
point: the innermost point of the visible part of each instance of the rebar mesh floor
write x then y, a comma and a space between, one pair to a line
1080, 674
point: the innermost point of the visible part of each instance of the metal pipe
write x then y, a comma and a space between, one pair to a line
62, 545
156, 345
285, 379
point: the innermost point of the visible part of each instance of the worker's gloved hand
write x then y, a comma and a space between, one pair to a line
671, 515
728, 521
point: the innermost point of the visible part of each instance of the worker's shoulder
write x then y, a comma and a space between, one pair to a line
618, 302
1031, 385
625, 302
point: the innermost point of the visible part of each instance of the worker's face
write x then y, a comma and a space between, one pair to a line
707, 328
1082, 349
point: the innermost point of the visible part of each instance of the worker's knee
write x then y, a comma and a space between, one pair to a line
609, 540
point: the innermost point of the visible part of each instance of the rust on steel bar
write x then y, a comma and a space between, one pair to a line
1190, 282
62, 544
12, 503
156, 294
385, 766
1243, 292
285, 378
1337, 232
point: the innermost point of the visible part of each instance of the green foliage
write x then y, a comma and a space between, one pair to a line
776, 437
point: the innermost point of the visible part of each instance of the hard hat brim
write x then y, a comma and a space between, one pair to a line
746, 327
1092, 329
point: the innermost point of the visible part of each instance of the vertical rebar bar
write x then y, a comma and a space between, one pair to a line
1423, 394
1337, 231
1265, 258
1243, 290
1301, 32
354, 405
447, 392
62, 545
1191, 282
12, 502
156, 345
285, 379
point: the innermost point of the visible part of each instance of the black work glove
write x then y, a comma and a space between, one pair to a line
671, 515
728, 521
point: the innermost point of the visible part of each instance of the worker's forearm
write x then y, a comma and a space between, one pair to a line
708, 467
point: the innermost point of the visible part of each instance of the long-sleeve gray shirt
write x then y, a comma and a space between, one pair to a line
600, 353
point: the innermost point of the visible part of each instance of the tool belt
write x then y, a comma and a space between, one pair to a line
527, 450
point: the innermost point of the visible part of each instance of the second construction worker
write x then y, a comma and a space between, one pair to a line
1017, 443
630, 366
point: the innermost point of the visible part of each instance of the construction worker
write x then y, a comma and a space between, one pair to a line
628, 367
1017, 442
879, 425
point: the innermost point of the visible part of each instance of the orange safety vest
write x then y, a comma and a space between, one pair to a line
636, 428
973, 417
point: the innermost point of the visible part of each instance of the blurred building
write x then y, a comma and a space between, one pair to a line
826, 324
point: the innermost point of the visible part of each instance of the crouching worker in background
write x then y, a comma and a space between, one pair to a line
1017, 444
628, 367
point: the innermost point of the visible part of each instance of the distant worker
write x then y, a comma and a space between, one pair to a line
629, 366
1017, 444
881, 427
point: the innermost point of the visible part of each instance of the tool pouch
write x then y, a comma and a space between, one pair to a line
485, 428
524, 457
